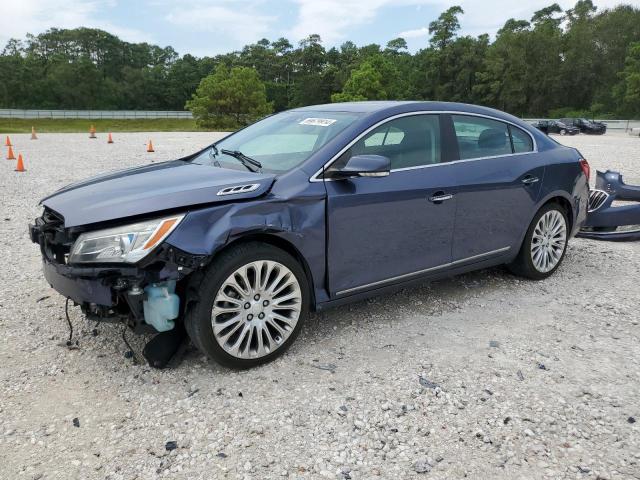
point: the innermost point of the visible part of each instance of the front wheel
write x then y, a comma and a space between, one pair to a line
563, 132
253, 301
544, 245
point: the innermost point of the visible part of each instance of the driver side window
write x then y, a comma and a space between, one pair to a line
410, 141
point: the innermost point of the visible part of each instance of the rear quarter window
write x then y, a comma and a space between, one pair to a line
521, 140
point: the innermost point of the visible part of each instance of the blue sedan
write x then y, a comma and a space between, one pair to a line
308, 209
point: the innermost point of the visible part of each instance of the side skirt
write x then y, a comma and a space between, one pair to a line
389, 288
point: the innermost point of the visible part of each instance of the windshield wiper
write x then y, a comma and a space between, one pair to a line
251, 164
214, 150
213, 153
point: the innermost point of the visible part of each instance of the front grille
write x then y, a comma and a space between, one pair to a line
597, 199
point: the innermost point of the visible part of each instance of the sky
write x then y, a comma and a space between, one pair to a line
209, 27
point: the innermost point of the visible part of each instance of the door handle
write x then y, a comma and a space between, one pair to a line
440, 197
530, 179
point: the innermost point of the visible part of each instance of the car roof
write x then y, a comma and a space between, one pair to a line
393, 107
375, 111
359, 107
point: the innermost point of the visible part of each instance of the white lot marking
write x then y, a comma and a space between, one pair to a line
493, 413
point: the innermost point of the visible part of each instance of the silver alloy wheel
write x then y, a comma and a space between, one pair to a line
256, 309
548, 241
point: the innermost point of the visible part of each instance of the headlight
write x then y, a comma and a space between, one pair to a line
126, 244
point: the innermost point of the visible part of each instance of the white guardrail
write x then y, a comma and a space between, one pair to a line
91, 114
624, 125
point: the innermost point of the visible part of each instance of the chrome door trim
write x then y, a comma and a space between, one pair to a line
316, 177
426, 270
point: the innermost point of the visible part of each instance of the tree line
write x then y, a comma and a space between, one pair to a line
579, 61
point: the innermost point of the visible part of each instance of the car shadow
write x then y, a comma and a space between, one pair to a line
427, 298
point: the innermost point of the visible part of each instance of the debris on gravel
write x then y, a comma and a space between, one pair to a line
422, 466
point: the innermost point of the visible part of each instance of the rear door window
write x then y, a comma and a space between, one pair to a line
480, 137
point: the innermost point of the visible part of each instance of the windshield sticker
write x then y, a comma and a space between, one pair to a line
318, 122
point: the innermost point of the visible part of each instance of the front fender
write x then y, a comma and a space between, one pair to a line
298, 220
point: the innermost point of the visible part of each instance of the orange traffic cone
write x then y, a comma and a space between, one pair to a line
7, 143
33, 133
150, 147
10, 155
110, 140
92, 132
20, 165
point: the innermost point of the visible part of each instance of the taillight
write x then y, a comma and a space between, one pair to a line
585, 168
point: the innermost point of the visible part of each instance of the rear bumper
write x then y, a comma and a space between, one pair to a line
606, 221
613, 236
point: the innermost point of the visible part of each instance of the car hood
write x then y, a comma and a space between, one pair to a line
149, 189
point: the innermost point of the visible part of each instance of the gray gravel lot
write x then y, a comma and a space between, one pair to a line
480, 376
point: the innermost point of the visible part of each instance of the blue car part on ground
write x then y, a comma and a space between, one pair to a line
607, 220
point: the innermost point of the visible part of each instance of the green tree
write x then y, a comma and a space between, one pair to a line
559, 61
614, 31
444, 29
544, 57
229, 98
376, 79
578, 65
396, 46
365, 83
502, 77
627, 92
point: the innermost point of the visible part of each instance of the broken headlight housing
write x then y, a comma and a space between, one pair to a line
126, 244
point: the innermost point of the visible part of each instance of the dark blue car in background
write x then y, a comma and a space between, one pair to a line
308, 209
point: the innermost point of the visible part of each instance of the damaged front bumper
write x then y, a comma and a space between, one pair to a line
607, 218
142, 295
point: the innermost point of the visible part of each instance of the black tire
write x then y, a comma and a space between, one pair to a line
198, 317
563, 132
523, 263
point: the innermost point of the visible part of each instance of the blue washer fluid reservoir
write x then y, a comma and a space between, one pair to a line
161, 305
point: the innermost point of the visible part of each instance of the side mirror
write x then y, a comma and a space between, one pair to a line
364, 166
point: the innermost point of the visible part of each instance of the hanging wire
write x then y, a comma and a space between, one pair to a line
66, 312
131, 352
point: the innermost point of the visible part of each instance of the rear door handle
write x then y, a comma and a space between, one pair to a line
530, 179
440, 197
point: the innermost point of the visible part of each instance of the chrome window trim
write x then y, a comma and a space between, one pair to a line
317, 177
419, 272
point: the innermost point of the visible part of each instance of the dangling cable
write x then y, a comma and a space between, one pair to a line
66, 312
131, 353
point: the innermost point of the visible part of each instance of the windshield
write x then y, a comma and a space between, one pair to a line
280, 142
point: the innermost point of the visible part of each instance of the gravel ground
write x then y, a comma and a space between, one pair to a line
480, 376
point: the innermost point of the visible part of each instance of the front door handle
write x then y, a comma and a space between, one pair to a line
440, 197
530, 179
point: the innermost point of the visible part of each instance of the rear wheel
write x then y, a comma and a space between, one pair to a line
253, 302
544, 245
